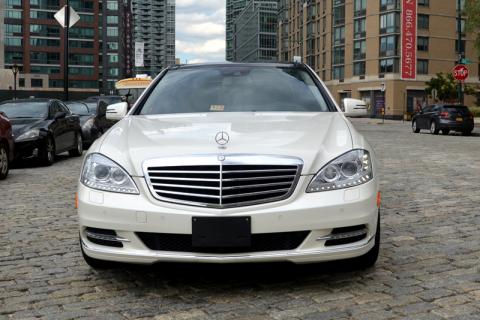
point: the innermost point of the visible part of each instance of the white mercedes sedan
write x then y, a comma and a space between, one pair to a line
230, 163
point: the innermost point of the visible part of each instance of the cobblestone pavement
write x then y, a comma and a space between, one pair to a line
428, 266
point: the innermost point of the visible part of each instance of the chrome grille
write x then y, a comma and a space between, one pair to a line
237, 180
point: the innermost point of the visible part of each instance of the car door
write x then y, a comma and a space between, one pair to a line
56, 127
71, 126
423, 118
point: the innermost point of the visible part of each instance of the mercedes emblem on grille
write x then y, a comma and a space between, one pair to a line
222, 138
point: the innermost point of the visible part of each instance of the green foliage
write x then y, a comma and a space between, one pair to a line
475, 111
445, 85
472, 11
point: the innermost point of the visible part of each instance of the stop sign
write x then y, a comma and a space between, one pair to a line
460, 72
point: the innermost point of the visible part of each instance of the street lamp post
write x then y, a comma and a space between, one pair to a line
15, 71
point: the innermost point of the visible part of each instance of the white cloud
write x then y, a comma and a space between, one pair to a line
200, 27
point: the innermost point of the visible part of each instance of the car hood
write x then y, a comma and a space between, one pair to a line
20, 126
316, 138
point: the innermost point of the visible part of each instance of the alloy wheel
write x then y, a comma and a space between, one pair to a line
3, 160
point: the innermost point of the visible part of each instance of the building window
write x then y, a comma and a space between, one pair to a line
390, 22
424, 3
36, 83
13, 14
112, 32
80, 44
12, 57
13, 3
359, 68
338, 55
339, 15
13, 42
338, 35
44, 30
388, 65
36, 14
112, 45
112, 5
45, 57
81, 71
81, 59
112, 19
422, 66
45, 69
13, 30
462, 25
113, 72
82, 33
386, 5
87, 18
359, 30
36, 42
462, 5
359, 50
422, 43
113, 58
423, 21
462, 46
21, 83
338, 72
45, 4
389, 46
359, 7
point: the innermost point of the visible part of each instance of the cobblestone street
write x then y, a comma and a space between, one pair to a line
428, 266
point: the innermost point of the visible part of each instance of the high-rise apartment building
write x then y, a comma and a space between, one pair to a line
154, 25
255, 32
233, 9
34, 41
355, 47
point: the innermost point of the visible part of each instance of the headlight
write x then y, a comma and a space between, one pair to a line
350, 169
30, 134
88, 124
101, 173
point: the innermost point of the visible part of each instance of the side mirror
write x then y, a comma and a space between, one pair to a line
59, 115
101, 109
117, 111
355, 108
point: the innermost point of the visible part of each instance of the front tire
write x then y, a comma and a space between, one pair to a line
47, 157
78, 150
4, 162
415, 128
433, 128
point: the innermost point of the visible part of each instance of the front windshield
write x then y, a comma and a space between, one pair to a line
235, 89
131, 95
78, 108
25, 109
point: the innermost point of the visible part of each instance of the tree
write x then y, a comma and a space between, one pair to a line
445, 85
472, 12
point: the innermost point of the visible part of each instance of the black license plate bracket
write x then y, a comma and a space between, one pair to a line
221, 232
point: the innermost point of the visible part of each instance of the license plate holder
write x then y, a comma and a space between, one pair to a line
211, 232
459, 119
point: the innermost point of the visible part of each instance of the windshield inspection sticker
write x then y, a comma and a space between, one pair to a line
217, 107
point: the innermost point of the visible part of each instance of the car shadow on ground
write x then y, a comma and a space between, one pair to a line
221, 276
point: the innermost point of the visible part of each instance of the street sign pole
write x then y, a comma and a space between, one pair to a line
65, 53
460, 52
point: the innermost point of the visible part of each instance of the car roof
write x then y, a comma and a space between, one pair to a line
237, 64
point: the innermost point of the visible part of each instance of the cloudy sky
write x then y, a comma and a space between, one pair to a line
200, 30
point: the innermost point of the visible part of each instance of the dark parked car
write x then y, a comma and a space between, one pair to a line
6, 145
93, 119
445, 118
43, 128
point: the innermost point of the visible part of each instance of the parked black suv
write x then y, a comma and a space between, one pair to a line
445, 118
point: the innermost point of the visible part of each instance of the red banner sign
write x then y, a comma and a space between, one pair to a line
408, 63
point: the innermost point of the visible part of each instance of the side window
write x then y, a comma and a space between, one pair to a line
427, 109
436, 109
63, 108
54, 108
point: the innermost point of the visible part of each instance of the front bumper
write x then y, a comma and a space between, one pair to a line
318, 213
30, 148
